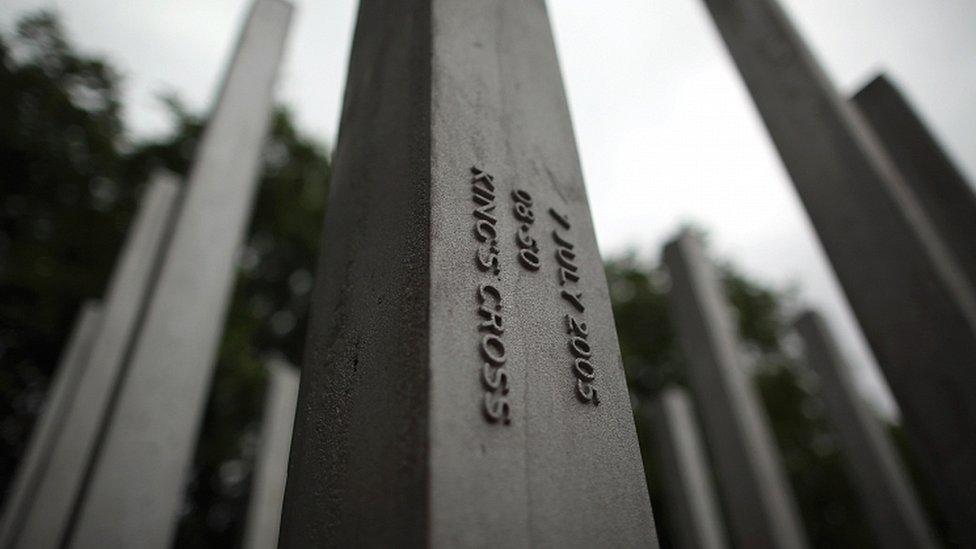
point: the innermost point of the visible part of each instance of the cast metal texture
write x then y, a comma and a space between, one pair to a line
271, 463
47, 429
888, 498
60, 485
756, 495
439, 390
910, 295
134, 494
692, 510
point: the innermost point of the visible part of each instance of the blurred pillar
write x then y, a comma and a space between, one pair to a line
136, 485
874, 467
692, 511
907, 289
271, 463
47, 516
755, 490
49, 424
462, 383
947, 198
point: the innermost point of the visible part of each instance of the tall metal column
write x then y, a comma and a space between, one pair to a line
907, 288
136, 483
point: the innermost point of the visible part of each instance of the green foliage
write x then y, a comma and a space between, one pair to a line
653, 360
757, 310
647, 340
65, 204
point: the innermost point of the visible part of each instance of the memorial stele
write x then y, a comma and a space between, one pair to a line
462, 382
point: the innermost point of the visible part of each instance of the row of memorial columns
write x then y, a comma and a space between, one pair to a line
896, 226
751, 482
462, 381
759, 501
474, 120
873, 465
53, 477
131, 497
897, 221
107, 462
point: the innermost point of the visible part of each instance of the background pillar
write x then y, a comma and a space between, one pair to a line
889, 501
907, 289
136, 484
756, 494
271, 463
48, 513
692, 509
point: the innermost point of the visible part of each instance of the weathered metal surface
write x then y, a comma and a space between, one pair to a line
450, 384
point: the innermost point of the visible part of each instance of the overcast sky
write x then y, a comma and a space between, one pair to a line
667, 133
